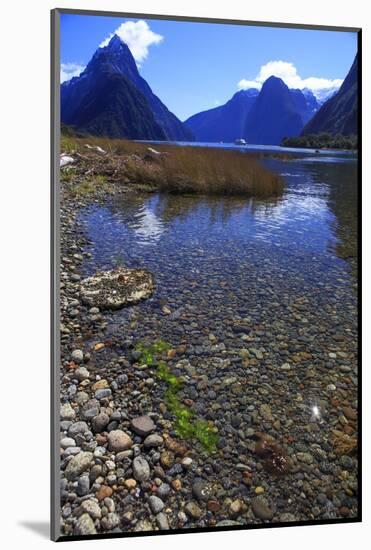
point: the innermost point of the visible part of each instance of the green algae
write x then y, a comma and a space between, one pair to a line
186, 423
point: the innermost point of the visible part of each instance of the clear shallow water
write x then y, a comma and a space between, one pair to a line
236, 276
313, 219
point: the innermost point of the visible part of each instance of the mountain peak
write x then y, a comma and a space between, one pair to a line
115, 42
118, 55
274, 82
111, 98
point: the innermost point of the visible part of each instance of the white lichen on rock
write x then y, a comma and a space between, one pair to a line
117, 288
65, 160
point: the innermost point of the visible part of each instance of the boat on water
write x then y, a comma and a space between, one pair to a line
240, 141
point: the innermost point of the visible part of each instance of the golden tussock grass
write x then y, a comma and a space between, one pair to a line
186, 169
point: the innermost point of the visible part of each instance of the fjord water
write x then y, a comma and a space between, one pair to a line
310, 224
261, 298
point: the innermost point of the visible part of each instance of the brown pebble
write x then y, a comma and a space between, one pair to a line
100, 385
99, 346
344, 511
101, 439
130, 484
350, 413
348, 429
174, 446
176, 484
213, 506
103, 492
167, 459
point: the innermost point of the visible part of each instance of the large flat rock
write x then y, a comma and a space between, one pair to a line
117, 288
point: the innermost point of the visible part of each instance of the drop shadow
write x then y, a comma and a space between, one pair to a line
41, 528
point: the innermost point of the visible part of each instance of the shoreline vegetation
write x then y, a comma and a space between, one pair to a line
167, 168
322, 141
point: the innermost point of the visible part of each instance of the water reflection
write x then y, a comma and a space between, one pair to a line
146, 225
315, 215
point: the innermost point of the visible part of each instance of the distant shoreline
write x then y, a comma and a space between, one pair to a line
252, 148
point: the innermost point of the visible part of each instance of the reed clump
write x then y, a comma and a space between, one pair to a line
179, 169
207, 171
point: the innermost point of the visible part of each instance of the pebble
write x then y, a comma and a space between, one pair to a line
100, 385
235, 507
100, 422
201, 491
346, 462
143, 525
142, 425
350, 413
67, 442
344, 511
92, 508
83, 485
141, 469
67, 412
163, 490
90, 409
213, 506
261, 509
162, 522
110, 521
84, 526
103, 393
305, 457
103, 492
99, 346
78, 464
156, 504
187, 462
78, 428
176, 484
266, 411
193, 510
81, 374
167, 459
119, 441
153, 440
130, 484
77, 356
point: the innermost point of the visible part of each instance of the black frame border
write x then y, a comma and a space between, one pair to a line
55, 271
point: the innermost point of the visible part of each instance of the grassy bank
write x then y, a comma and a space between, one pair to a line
176, 169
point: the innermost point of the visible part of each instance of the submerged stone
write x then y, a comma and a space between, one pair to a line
117, 288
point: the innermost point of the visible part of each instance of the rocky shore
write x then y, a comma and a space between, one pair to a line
281, 394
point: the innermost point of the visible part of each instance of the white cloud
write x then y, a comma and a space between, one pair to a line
137, 36
289, 74
69, 70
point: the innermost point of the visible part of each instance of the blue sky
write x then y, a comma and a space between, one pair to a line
196, 66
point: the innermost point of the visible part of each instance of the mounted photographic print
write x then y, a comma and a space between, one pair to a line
205, 209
